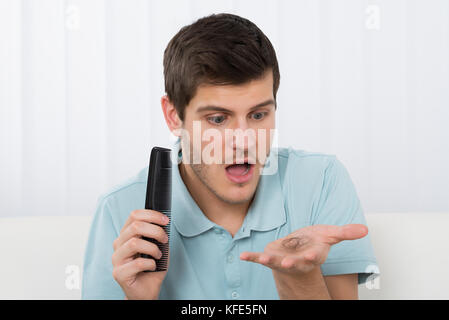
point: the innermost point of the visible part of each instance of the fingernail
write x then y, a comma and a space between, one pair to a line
166, 219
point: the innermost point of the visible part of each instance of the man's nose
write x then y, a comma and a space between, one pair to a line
244, 138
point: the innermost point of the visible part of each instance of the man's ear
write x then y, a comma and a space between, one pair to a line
172, 119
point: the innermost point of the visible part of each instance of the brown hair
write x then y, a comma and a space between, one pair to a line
219, 49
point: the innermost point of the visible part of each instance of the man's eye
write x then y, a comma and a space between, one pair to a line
216, 120
260, 115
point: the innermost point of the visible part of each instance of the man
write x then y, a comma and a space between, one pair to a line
240, 228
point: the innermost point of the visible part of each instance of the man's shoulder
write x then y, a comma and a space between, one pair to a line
311, 179
294, 161
294, 153
302, 175
128, 194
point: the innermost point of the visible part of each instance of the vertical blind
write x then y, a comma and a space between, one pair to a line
81, 82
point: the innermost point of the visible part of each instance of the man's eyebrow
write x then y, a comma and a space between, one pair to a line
221, 109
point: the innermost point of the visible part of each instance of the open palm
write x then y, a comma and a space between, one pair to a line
306, 248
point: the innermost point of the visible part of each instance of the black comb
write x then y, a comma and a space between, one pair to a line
158, 198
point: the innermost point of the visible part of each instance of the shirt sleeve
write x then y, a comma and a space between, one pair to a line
339, 204
98, 282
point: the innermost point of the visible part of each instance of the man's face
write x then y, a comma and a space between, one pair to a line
228, 125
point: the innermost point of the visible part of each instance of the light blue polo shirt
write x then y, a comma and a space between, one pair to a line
306, 189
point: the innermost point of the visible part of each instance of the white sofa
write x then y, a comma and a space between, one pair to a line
42, 257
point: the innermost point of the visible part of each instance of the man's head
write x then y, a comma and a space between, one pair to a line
221, 79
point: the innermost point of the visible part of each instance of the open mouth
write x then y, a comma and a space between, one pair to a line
238, 169
240, 173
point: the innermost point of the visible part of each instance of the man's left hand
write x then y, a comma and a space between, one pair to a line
305, 249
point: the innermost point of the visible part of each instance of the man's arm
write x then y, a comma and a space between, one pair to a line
316, 287
310, 286
98, 282
343, 286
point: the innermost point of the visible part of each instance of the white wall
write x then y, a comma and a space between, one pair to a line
81, 81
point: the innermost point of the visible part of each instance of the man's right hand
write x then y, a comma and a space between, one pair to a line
128, 265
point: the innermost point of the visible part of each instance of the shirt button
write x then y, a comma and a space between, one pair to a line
230, 258
235, 295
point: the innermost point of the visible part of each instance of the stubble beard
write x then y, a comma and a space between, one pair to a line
200, 170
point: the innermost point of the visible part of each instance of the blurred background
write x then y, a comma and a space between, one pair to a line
81, 81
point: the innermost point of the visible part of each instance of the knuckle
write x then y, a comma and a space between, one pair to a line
311, 256
115, 274
136, 226
133, 243
134, 214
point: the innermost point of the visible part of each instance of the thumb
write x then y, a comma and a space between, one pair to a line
347, 232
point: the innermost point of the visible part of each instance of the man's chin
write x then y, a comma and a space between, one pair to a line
237, 197
235, 201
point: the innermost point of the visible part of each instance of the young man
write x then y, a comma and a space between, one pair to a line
292, 230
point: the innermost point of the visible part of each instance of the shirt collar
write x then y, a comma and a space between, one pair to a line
188, 218
265, 213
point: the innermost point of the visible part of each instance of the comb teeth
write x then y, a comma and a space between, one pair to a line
162, 262
158, 198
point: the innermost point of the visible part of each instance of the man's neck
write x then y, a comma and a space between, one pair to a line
229, 216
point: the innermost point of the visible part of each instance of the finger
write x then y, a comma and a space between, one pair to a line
310, 256
270, 260
141, 228
132, 247
267, 259
335, 234
301, 262
129, 270
289, 262
147, 215
250, 256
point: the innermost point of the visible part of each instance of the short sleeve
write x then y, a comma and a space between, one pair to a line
339, 204
98, 282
